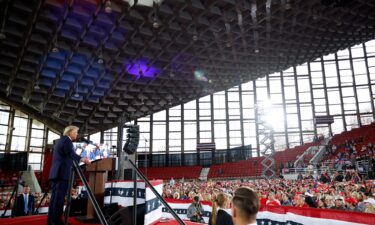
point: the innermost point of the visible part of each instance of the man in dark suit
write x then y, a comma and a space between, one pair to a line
25, 203
62, 160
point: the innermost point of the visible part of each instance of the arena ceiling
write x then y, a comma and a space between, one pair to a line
94, 63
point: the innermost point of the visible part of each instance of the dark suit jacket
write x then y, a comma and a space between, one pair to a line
19, 208
223, 218
62, 159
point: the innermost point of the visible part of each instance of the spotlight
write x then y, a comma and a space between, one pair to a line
76, 95
195, 34
100, 59
108, 8
195, 37
155, 23
56, 114
36, 86
2, 35
256, 50
55, 49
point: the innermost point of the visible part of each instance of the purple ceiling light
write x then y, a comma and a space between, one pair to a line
140, 68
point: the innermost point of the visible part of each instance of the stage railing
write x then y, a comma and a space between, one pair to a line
161, 199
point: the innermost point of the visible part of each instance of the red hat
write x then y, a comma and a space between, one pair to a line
351, 200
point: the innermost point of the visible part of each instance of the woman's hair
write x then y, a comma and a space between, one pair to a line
176, 195
214, 213
220, 201
246, 202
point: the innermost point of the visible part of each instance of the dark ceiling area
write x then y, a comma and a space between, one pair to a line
94, 63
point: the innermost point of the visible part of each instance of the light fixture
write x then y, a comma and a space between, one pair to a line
100, 57
256, 50
2, 35
315, 14
155, 22
195, 34
56, 114
55, 47
36, 86
76, 94
288, 5
108, 7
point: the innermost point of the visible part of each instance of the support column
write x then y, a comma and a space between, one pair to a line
354, 88
198, 129
10, 131
312, 98
182, 136
120, 153
298, 106
212, 128
151, 140
167, 138
284, 110
325, 93
340, 92
241, 115
227, 125
369, 81
256, 117
28, 134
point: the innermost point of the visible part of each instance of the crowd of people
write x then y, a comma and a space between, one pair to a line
346, 155
340, 191
92, 150
345, 189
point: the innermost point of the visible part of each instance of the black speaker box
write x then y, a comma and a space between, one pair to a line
109, 210
128, 174
124, 216
78, 207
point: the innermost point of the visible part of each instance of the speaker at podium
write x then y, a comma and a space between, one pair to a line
98, 175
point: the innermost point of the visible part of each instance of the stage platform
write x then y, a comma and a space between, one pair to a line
42, 220
33, 220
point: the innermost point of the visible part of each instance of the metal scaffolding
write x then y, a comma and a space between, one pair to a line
266, 139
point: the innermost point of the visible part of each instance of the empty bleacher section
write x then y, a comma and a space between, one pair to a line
177, 172
243, 168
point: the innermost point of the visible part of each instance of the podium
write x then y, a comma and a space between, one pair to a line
98, 175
